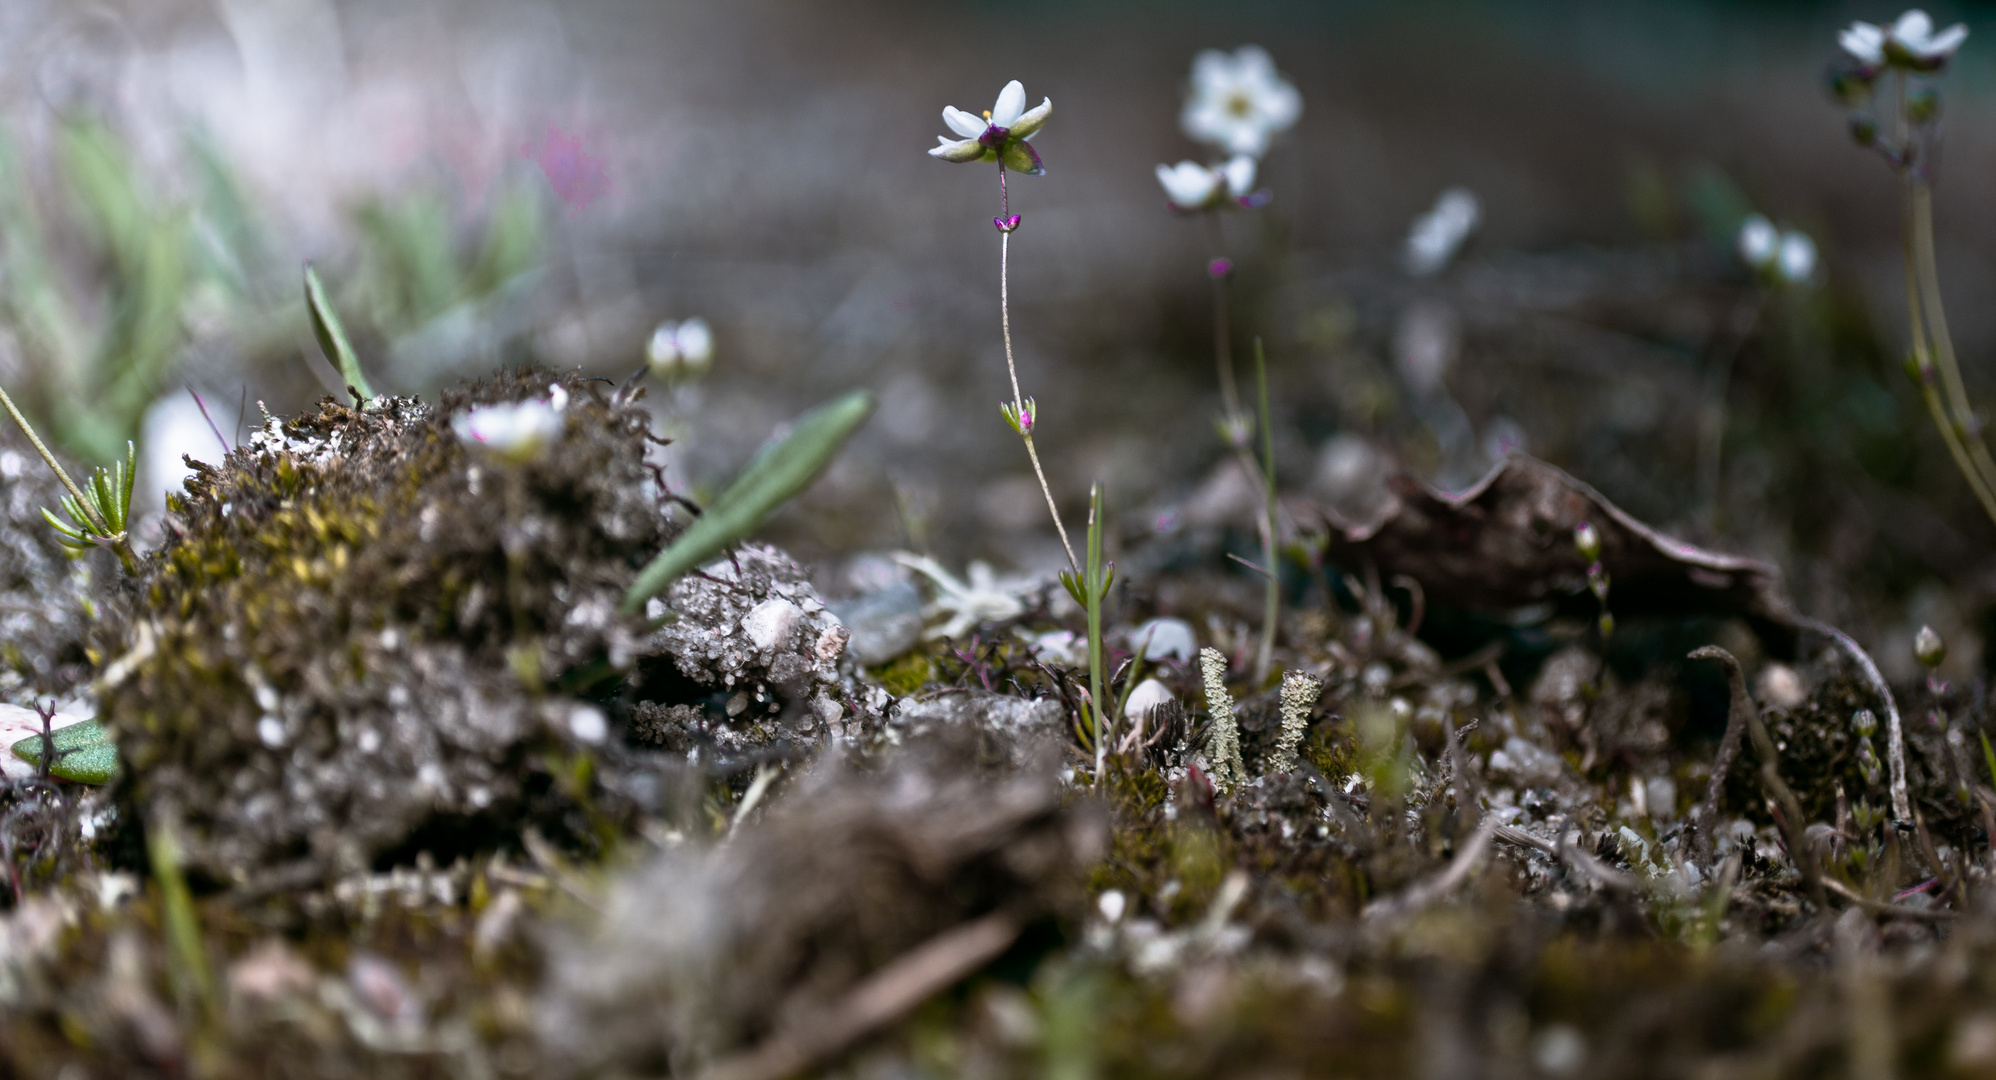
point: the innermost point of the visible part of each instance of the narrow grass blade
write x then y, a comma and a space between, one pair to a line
332, 336
778, 471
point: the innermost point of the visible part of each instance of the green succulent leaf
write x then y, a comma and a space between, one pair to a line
781, 469
333, 336
83, 752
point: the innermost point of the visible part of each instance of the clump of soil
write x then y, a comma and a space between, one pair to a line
360, 626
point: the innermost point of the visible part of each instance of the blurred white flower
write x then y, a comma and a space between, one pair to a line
1000, 136
1758, 242
515, 430
1192, 186
985, 598
1798, 257
1910, 42
680, 350
1239, 102
1438, 234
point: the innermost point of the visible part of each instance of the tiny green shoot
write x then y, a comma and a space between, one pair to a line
1089, 589
100, 512
333, 337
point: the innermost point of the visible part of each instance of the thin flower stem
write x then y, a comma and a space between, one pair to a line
1712, 418
1012, 369
1223, 352
89, 508
1941, 342
1271, 610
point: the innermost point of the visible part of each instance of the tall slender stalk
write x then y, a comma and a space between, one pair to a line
1271, 608
1933, 361
1021, 415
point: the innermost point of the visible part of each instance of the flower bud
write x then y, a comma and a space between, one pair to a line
1865, 721
1923, 105
1929, 648
1587, 541
1006, 224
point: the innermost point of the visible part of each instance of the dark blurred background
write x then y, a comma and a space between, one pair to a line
491, 182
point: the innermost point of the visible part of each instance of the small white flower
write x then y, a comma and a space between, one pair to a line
1000, 136
985, 598
1911, 42
1758, 242
1192, 186
1239, 102
516, 431
1439, 233
680, 350
1798, 257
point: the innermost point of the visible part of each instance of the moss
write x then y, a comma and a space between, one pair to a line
328, 651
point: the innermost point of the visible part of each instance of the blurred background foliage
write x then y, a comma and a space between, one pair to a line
493, 182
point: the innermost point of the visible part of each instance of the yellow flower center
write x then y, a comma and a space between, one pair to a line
1239, 105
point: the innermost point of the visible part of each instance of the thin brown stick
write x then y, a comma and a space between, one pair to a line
886, 996
1742, 711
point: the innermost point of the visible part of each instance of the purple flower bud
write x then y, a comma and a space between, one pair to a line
1026, 418
1005, 225
1220, 268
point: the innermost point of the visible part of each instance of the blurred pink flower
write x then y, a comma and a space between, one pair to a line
577, 177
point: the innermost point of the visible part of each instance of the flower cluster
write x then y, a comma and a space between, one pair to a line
1238, 103
1002, 135
1776, 255
1913, 51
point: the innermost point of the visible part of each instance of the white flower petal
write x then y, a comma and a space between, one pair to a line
1029, 125
1798, 257
959, 151
1757, 242
1239, 171
1011, 104
1865, 42
963, 123
1281, 106
696, 343
1209, 69
1189, 185
1945, 42
663, 348
1913, 29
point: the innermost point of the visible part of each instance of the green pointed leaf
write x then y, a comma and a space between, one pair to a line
83, 752
781, 469
333, 336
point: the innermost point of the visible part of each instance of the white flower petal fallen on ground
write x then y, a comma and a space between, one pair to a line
1798, 257
1239, 101
963, 605
680, 350
1000, 136
16, 724
516, 431
1438, 234
1759, 242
